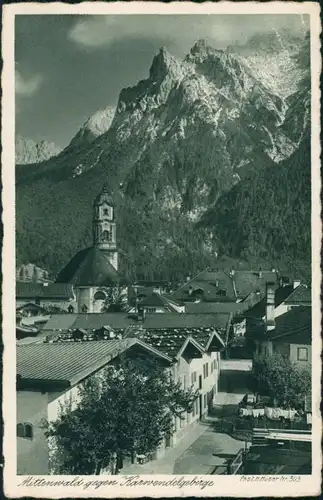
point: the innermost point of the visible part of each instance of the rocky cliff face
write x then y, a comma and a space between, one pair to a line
29, 152
96, 125
178, 140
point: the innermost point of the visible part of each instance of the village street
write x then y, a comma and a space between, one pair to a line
207, 446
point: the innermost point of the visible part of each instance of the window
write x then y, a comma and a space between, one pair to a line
184, 382
84, 308
106, 235
25, 431
205, 400
212, 366
151, 309
105, 211
221, 293
302, 354
205, 370
193, 378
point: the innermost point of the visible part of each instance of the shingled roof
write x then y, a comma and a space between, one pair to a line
89, 267
67, 363
302, 295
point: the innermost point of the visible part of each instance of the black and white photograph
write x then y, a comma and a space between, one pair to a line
164, 178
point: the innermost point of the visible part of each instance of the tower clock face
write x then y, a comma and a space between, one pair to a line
106, 212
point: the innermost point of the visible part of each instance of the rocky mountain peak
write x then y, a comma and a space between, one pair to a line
163, 63
28, 151
98, 124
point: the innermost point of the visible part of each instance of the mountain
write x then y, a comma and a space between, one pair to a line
28, 151
96, 125
178, 142
268, 214
280, 60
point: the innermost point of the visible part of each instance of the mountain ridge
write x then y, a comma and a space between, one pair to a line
179, 140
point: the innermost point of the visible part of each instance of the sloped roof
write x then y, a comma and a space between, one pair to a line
294, 327
156, 300
238, 284
214, 307
259, 309
25, 290
88, 321
89, 267
247, 282
302, 295
171, 342
70, 361
183, 320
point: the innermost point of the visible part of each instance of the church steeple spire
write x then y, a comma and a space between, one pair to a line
104, 225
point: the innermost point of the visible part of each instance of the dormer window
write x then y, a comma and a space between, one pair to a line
221, 293
105, 211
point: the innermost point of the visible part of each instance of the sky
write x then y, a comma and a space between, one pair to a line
67, 66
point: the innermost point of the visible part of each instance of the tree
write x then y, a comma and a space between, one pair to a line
128, 409
285, 382
116, 299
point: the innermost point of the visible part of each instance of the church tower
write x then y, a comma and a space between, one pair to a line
104, 226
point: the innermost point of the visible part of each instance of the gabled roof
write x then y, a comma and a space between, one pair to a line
29, 305
259, 309
89, 267
293, 327
71, 362
172, 342
302, 295
237, 285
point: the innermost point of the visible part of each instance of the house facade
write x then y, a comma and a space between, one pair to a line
191, 353
290, 335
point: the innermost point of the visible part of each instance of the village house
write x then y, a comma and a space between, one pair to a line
48, 376
291, 336
45, 295
290, 333
226, 286
285, 298
148, 301
188, 345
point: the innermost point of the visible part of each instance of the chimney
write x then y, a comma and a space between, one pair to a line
270, 307
296, 283
232, 272
141, 313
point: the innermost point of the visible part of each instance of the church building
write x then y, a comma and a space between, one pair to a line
93, 271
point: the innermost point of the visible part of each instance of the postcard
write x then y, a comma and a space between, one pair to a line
161, 250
